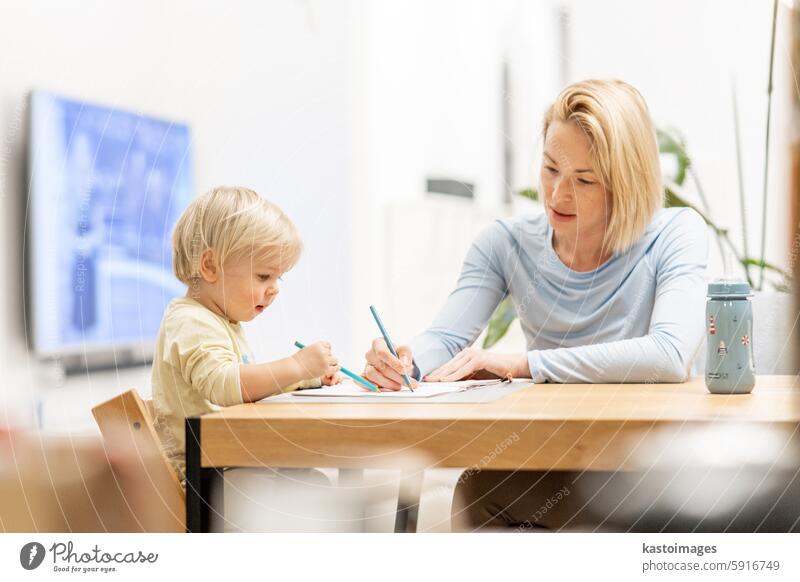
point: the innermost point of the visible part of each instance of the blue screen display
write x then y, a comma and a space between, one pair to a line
107, 187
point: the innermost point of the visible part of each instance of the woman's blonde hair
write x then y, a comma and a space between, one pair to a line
614, 117
233, 222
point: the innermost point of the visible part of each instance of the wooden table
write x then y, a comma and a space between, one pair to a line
545, 426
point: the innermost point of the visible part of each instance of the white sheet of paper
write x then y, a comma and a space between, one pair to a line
352, 389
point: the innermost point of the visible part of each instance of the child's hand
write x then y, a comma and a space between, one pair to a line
317, 361
331, 379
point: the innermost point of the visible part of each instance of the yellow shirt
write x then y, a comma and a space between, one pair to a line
196, 370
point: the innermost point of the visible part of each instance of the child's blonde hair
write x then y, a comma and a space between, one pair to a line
614, 117
233, 222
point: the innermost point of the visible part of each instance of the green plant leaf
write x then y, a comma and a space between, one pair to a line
671, 142
767, 266
675, 200
530, 193
502, 318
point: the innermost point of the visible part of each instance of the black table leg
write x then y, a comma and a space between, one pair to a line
198, 482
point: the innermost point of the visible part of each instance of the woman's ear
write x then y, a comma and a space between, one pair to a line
209, 269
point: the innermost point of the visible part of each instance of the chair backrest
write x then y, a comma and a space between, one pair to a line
126, 423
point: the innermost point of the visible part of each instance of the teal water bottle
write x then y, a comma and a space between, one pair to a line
729, 333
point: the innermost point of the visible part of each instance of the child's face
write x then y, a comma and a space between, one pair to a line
247, 286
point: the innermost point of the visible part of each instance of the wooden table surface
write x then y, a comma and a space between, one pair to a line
545, 426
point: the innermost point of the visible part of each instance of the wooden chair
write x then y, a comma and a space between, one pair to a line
126, 423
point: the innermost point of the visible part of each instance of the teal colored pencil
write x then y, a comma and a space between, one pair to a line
344, 370
389, 343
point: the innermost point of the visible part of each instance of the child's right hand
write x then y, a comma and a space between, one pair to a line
316, 360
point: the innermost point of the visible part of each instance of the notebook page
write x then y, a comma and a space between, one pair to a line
352, 389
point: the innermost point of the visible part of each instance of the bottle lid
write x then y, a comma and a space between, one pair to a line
728, 288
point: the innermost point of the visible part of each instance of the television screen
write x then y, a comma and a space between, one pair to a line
106, 188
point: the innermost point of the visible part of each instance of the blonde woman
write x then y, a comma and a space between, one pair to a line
608, 285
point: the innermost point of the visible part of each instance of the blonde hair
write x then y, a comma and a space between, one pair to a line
233, 222
614, 117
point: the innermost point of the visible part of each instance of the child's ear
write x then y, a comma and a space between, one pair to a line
209, 269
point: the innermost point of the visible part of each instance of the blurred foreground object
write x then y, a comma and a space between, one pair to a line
73, 485
732, 477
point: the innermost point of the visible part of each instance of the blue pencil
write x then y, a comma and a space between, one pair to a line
389, 343
344, 370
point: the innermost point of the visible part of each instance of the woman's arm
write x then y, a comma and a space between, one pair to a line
481, 287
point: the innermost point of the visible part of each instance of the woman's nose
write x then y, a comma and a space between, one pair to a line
563, 189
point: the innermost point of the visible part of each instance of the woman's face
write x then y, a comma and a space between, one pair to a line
577, 203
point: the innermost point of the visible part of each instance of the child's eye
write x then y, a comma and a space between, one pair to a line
551, 169
263, 277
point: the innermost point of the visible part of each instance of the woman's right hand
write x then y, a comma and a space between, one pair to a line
386, 371
316, 360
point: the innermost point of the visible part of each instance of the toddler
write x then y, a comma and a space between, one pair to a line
230, 247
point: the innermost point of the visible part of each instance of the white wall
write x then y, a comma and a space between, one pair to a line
428, 81
265, 90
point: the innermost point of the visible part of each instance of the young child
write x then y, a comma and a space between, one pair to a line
230, 247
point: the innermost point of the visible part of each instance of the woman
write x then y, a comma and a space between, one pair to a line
609, 286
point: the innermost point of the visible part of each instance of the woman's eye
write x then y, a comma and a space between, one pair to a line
551, 169
587, 182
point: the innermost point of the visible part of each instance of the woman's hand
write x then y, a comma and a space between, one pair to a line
386, 371
471, 360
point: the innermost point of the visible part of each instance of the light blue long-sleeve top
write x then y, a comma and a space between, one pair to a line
637, 318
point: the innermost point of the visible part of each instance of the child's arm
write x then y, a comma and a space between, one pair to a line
261, 380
